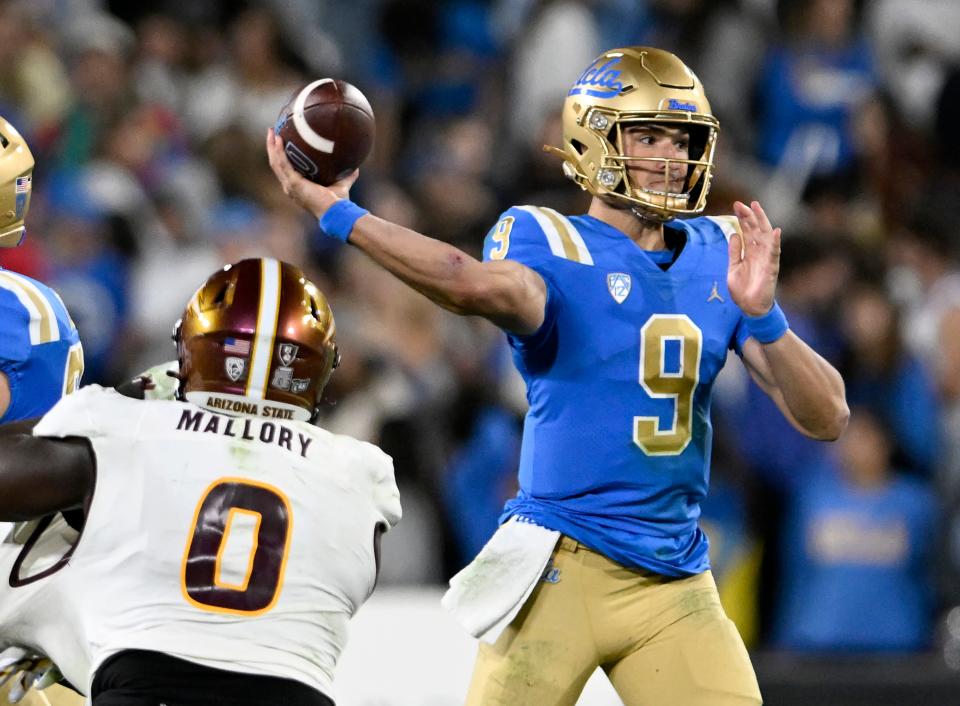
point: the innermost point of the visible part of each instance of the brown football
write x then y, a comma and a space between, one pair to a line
327, 129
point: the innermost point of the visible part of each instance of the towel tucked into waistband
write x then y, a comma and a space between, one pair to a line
489, 592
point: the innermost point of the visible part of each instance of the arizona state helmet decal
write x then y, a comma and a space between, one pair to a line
628, 86
16, 177
257, 338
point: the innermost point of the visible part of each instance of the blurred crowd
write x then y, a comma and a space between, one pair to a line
148, 119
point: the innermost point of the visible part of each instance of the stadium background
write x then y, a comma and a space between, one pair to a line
840, 564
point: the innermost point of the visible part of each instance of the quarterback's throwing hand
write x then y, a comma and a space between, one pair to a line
314, 198
754, 260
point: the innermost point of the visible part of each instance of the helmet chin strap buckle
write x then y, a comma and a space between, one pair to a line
648, 218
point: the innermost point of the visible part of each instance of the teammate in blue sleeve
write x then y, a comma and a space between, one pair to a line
40, 354
619, 320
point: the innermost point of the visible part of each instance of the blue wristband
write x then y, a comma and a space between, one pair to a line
339, 219
769, 327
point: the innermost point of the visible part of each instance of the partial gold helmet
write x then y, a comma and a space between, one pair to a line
16, 177
637, 85
258, 338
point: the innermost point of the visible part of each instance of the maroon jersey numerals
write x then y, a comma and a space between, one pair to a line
223, 503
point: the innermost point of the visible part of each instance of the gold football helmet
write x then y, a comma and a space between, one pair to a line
629, 86
258, 339
16, 177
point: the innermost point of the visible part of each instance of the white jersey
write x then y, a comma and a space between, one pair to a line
238, 543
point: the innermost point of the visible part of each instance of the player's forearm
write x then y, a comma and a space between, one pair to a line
23, 426
504, 292
439, 271
39, 476
812, 389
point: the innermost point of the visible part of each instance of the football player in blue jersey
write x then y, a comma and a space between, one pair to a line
41, 358
619, 320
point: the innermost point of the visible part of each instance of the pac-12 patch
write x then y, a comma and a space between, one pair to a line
234, 367
619, 283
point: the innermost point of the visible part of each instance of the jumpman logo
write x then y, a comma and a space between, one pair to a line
714, 294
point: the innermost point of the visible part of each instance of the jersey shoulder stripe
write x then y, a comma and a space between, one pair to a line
563, 237
727, 224
43, 325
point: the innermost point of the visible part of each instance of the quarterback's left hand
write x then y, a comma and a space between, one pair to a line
754, 260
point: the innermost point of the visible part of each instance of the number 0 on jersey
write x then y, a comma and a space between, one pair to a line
202, 582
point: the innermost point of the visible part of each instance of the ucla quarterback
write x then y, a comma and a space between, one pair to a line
619, 320
41, 358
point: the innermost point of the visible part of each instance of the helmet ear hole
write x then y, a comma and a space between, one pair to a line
216, 296
221, 295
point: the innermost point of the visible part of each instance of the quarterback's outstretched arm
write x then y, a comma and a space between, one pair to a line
507, 293
39, 476
807, 389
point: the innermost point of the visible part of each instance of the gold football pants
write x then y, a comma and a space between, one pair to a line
661, 641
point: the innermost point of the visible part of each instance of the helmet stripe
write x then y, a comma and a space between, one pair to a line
263, 338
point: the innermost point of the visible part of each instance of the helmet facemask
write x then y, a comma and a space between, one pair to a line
661, 203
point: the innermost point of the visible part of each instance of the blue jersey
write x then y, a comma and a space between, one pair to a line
616, 444
40, 350
857, 565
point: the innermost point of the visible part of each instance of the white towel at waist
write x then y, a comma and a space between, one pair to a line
489, 592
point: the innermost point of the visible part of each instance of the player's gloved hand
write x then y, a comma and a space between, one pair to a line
10, 658
158, 383
27, 670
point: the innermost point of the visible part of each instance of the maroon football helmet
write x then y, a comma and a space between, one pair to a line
257, 338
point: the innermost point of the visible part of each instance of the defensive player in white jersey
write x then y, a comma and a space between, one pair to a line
227, 540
